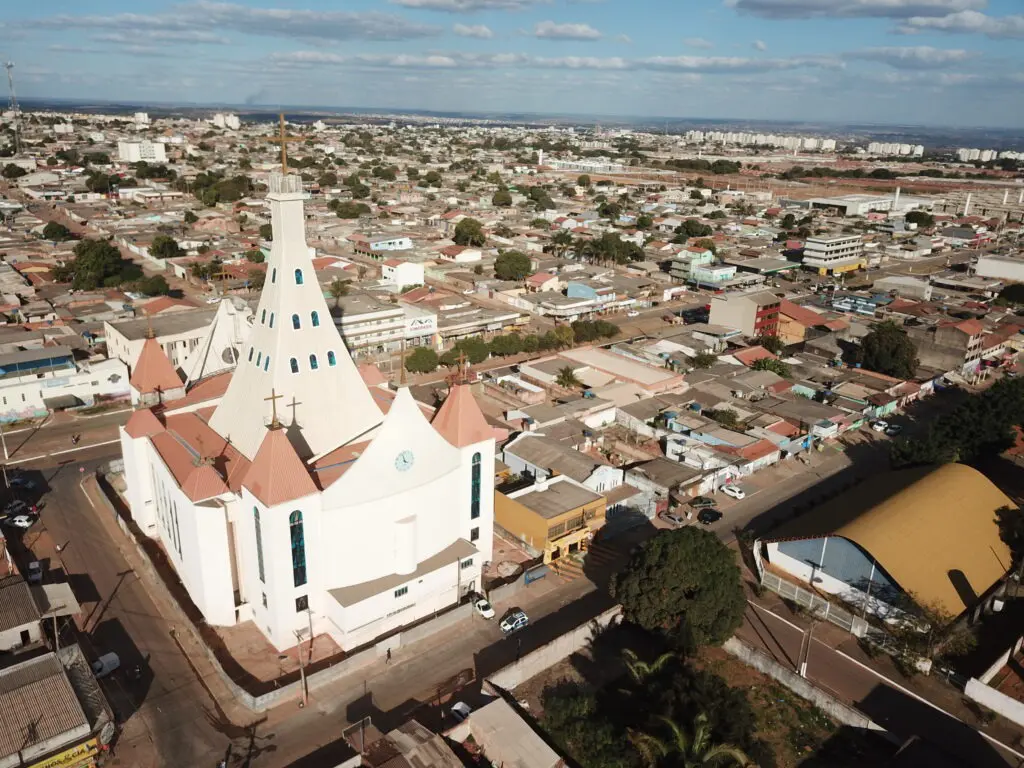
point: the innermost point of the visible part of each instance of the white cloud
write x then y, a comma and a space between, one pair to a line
480, 31
968, 22
919, 57
697, 42
895, 9
468, 6
399, 60
549, 30
759, 45
162, 36
721, 64
624, 39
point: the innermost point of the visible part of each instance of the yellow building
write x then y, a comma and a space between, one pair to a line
557, 517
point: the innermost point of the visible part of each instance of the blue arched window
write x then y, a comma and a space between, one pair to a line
330, 358
259, 359
313, 363
263, 317
298, 277
474, 489
296, 323
266, 363
294, 365
259, 542
314, 318
271, 319
273, 275
298, 548
251, 350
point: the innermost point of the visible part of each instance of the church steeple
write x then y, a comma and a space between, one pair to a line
294, 350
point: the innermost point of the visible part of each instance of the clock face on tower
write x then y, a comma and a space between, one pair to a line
403, 461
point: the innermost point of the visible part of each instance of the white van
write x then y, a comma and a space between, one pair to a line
105, 664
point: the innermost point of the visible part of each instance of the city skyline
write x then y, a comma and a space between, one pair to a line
944, 62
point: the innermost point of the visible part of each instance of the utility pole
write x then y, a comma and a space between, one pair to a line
805, 653
302, 669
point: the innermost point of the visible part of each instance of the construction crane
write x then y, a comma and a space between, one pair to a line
13, 107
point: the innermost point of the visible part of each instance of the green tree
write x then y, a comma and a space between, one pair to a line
1011, 294
923, 219
469, 232
640, 670
610, 210
12, 171
338, 290
684, 584
328, 179
540, 223
704, 360
644, 221
692, 228
531, 343
506, 345
771, 364
474, 348
512, 265
561, 241
190, 218
255, 256
887, 349
165, 247
432, 179
772, 343
349, 209
583, 180
680, 749
421, 360
266, 232
502, 198
727, 417
567, 378
257, 277
56, 231
788, 221
707, 244
97, 264
1011, 530
154, 286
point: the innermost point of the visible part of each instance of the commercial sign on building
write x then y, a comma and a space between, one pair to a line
77, 757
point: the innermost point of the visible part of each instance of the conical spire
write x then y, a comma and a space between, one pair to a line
153, 372
459, 420
295, 350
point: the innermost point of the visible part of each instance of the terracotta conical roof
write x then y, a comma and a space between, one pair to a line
203, 482
459, 419
143, 423
153, 371
277, 474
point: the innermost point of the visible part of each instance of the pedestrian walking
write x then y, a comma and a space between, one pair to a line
388, 660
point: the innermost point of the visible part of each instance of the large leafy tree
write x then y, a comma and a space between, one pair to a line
97, 264
421, 360
469, 232
56, 231
512, 265
684, 584
887, 349
165, 247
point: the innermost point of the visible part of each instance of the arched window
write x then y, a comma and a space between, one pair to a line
263, 317
314, 318
266, 363
298, 548
273, 275
312, 362
330, 358
259, 542
294, 365
474, 489
296, 323
259, 359
298, 277
271, 319
251, 350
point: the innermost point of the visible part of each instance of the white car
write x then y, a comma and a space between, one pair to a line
632, 313
734, 491
21, 521
484, 608
514, 622
460, 711
880, 426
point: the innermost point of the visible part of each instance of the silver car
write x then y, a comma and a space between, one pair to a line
514, 622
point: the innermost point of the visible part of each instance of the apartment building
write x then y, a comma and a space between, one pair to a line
134, 151
950, 346
753, 314
834, 255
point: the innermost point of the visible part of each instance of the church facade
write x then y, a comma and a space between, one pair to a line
289, 490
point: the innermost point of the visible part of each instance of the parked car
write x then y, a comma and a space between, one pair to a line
514, 621
460, 711
673, 517
20, 521
893, 429
632, 313
734, 491
484, 608
16, 507
35, 573
105, 664
21, 481
708, 516
880, 426
700, 502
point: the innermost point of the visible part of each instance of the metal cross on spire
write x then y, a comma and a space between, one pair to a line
283, 140
274, 397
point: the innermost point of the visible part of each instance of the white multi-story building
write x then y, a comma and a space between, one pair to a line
834, 255
134, 151
141, 119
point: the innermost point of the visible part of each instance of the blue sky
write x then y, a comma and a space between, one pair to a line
924, 62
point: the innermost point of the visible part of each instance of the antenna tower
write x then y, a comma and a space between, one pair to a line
13, 107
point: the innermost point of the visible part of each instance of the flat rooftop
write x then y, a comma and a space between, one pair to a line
165, 325
559, 498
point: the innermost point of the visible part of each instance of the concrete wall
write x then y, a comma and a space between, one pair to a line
548, 655
802, 687
1009, 708
1002, 661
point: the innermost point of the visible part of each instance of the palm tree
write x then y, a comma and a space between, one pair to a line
640, 670
685, 750
567, 378
338, 288
562, 239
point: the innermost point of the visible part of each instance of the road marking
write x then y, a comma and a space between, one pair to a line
66, 450
893, 683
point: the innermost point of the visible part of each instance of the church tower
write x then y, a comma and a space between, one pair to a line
295, 351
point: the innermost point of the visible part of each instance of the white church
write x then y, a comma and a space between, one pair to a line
291, 488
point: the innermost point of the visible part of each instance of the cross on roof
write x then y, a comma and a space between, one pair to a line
274, 397
294, 404
283, 140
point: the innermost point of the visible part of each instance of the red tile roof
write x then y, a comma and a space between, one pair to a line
459, 419
165, 303
277, 475
808, 318
143, 423
371, 375
153, 371
333, 465
970, 327
751, 355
